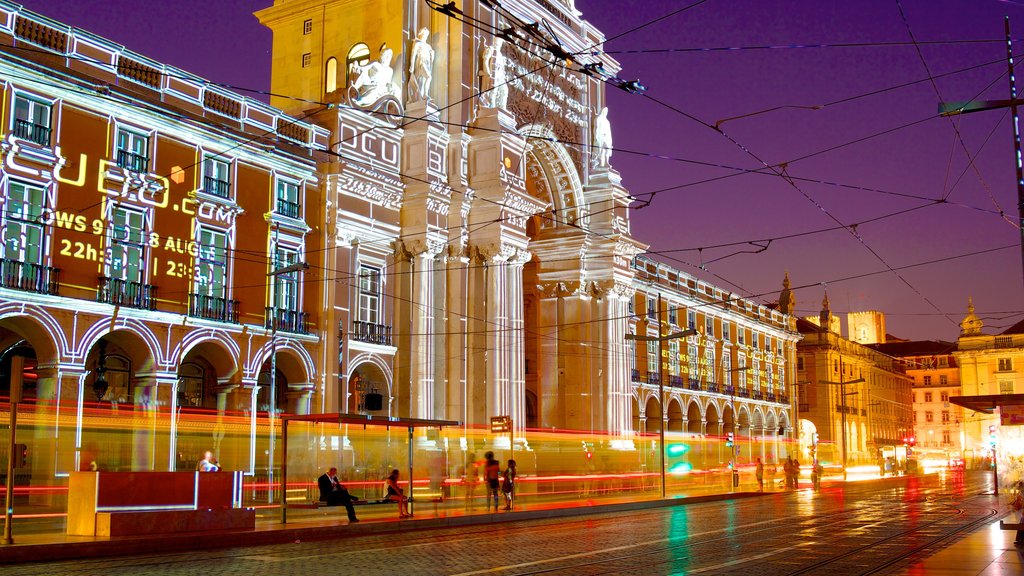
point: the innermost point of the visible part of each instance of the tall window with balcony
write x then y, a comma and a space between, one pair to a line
32, 120
25, 240
287, 203
673, 363
709, 367
284, 313
652, 309
132, 150
126, 261
692, 365
216, 177
209, 299
652, 363
691, 320
368, 326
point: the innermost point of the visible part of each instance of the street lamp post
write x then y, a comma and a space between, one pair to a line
845, 394
660, 339
735, 438
272, 404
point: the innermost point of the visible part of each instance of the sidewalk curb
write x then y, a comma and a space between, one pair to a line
283, 534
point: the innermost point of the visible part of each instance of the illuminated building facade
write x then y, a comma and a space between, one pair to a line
144, 210
842, 382
938, 431
468, 241
990, 364
734, 375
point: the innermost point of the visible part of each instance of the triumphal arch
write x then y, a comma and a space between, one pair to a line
479, 234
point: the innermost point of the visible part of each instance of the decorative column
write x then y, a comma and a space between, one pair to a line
424, 235
498, 244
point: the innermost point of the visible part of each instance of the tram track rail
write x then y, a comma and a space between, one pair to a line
741, 563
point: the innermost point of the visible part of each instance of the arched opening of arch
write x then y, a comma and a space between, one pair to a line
694, 419
675, 416
654, 417
368, 390
23, 337
563, 347
204, 377
713, 420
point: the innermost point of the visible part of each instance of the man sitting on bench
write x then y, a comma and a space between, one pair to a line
333, 493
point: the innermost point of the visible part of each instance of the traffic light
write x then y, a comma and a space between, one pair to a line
729, 440
992, 436
20, 456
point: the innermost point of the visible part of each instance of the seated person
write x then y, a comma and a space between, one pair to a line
333, 493
396, 494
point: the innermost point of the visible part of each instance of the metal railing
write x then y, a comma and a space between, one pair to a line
122, 292
216, 187
29, 277
132, 161
676, 381
636, 375
288, 208
653, 378
371, 333
32, 132
213, 308
287, 320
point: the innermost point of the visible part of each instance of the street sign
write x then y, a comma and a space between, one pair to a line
500, 424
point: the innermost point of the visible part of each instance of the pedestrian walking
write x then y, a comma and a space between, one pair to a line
492, 471
759, 474
796, 473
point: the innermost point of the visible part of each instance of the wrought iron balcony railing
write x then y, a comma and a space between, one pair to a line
122, 292
29, 277
676, 381
213, 308
216, 187
653, 378
371, 333
132, 161
694, 384
288, 208
636, 375
285, 320
32, 132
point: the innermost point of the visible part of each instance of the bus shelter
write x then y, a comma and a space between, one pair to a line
311, 443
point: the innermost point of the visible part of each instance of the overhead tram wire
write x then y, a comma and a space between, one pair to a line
687, 263
755, 171
762, 47
938, 94
793, 184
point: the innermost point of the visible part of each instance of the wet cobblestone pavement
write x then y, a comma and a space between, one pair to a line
865, 528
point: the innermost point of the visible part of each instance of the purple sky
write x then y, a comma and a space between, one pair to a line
223, 42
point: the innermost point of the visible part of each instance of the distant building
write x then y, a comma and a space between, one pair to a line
866, 327
989, 365
734, 375
938, 424
843, 382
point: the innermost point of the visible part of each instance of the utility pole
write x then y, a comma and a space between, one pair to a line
954, 108
660, 339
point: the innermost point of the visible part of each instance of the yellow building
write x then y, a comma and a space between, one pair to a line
938, 424
989, 365
850, 396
